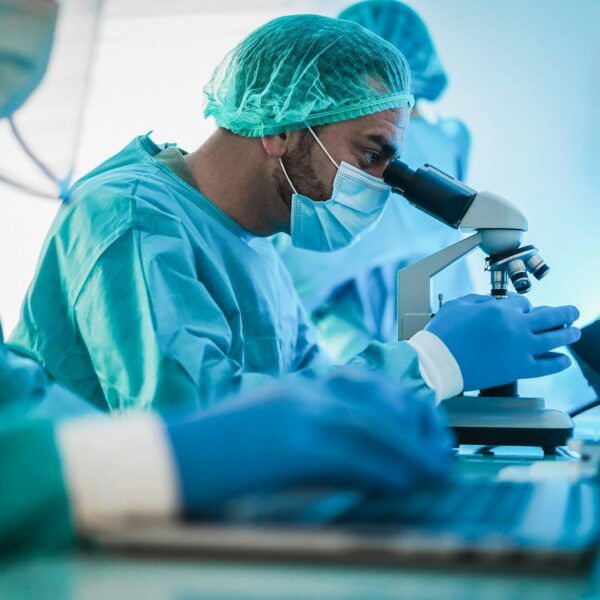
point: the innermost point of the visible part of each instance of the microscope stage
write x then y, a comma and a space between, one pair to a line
510, 421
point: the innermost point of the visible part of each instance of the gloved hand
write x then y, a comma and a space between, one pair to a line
496, 342
351, 429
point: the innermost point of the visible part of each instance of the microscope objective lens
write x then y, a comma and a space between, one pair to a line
536, 266
518, 275
499, 284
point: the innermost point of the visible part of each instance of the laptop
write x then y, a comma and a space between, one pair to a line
473, 523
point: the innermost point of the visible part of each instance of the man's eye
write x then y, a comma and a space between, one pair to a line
371, 157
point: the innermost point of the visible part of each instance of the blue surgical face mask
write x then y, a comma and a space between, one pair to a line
355, 208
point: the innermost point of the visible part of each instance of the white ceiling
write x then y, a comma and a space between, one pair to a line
151, 8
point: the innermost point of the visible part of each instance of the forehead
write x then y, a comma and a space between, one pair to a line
389, 123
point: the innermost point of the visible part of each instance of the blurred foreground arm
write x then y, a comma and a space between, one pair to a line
348, 430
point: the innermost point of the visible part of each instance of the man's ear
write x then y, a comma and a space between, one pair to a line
275, 145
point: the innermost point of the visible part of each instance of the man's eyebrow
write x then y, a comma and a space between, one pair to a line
388, 149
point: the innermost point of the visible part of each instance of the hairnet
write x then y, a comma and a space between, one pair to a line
306, 70
401, 26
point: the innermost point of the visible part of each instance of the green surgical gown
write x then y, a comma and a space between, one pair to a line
148, 295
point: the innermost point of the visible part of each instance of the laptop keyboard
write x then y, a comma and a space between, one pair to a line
496, 503
469, 505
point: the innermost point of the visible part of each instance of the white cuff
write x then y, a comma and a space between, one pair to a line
438, 367
118, 469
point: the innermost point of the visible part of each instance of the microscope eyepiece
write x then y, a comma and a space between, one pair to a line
431, 190
398, 174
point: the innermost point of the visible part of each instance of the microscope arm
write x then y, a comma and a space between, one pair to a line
414, 303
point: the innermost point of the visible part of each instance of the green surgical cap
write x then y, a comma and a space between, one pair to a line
304, 70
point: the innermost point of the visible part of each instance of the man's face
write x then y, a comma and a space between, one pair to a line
368, 143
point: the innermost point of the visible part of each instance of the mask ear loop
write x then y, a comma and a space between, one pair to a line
336, 165
287, 176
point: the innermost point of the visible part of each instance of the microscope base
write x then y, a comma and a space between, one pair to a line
510, 421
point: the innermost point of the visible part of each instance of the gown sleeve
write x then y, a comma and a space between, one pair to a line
156, 337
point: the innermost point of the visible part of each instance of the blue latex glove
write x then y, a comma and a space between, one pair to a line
351, 429
496, 342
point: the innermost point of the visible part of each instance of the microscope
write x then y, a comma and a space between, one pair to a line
497, 416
